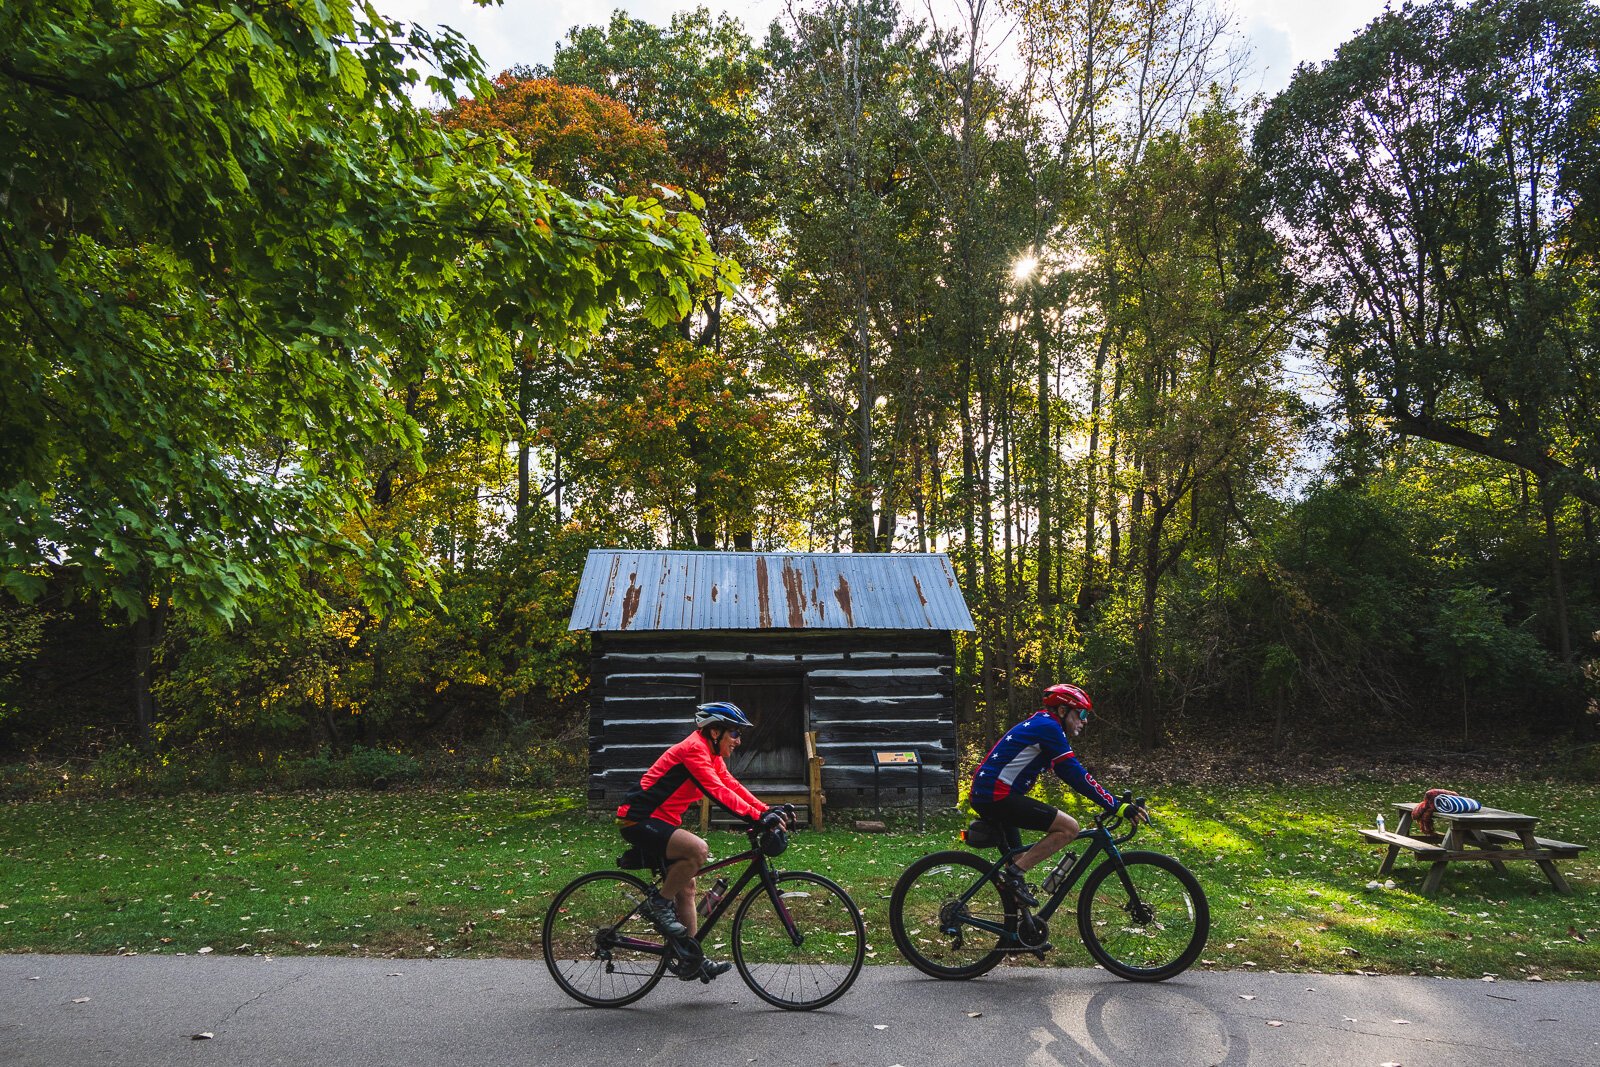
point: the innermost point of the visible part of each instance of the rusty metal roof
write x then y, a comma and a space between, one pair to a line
640, 591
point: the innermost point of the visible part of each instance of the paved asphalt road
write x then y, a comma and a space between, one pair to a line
328, 1012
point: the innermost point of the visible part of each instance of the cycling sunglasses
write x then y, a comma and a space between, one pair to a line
1083, 714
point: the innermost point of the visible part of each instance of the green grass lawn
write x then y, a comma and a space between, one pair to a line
456, 874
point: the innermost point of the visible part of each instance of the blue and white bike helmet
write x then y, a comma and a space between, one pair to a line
720, 713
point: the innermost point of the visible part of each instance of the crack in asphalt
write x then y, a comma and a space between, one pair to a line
280, 987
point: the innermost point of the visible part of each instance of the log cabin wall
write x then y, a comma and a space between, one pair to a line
860, 690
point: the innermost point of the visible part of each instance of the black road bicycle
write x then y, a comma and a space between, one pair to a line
797, 937
1142, 915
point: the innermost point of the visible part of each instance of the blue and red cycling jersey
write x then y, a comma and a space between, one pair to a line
1017, 759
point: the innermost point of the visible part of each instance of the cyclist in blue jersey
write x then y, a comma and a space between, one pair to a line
1001, 783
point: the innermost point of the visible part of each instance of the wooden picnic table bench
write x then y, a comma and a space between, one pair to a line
1489, 835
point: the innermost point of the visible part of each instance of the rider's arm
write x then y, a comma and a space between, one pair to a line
738, 787
720, 786
1074, 774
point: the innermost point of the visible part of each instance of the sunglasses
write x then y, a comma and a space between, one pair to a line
733, 733
1083, 716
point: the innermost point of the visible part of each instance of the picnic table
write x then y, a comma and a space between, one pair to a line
1488, 835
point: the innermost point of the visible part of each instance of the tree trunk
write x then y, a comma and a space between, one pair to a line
1558, 586
1149, 712
1593, 548
1041, 341
524, 409
147, 630
1086, 595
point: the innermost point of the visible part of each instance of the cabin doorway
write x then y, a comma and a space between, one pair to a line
774, 750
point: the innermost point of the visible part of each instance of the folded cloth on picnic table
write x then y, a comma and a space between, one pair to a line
1447, 801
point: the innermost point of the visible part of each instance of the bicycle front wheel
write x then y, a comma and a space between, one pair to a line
599, 948
1149, 927
935, 930
801, 948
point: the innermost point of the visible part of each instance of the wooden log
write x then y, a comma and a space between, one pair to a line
644, 684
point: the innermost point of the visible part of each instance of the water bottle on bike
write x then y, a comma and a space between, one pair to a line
1059, 875
712, 897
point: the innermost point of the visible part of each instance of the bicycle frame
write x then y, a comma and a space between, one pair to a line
760, 868
1101, 840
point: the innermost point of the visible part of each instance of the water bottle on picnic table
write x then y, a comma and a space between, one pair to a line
1381, 829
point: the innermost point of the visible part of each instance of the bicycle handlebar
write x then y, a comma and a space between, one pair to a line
1111, 822
786, 814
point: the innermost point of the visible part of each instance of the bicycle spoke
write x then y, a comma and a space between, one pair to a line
1153, 934
831, 938
588, 940
935, 929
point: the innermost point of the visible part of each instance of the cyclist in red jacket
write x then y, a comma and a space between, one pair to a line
652, 816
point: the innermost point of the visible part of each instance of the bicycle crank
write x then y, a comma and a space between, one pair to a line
684, 957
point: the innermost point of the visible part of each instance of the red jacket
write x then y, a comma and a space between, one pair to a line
676, 780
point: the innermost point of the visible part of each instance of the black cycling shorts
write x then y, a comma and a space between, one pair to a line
650, 837
1016, 813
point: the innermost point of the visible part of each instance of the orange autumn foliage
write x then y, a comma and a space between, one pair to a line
576, 138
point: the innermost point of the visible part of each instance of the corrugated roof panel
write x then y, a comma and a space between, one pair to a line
633, 591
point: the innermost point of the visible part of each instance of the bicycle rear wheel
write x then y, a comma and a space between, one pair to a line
933, 928
1152, 933
823, 957
598, 947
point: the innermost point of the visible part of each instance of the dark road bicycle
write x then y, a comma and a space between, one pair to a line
1141, 915
797, 937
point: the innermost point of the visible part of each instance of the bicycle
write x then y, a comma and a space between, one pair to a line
798, 938
1142, 915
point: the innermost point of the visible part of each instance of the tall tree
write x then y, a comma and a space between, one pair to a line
699, 80
1439, 175
1206, 317
216, 219
583, 143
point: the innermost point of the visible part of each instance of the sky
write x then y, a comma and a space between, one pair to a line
1284, 33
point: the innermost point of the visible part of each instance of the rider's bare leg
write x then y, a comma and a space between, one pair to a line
1058, 837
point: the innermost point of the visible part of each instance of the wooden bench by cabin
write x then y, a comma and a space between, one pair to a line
806, 796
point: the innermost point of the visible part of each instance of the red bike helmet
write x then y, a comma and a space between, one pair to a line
1061, 699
